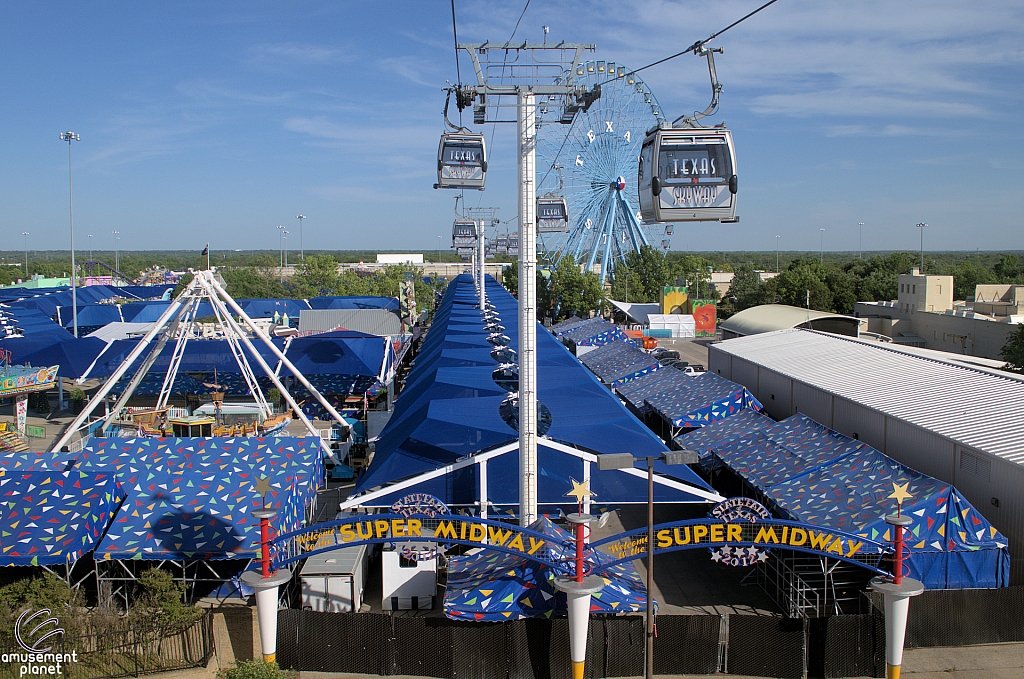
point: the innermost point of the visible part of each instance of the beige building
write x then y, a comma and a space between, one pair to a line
926, 316
999, 300
919, 292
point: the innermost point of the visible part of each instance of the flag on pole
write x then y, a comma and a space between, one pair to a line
206, 250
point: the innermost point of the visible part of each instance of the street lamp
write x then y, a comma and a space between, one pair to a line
626, 461
922, 226
117, 260
439, 250
821, 255
280, 246
302, 252
70, 137
860, 241
25, 234
90, 247
284, 243
776, 253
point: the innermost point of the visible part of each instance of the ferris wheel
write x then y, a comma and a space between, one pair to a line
592, 164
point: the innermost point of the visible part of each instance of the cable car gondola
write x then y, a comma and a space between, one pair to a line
552, 214
464, 234
513, 245
461, 161
687, 175
501, 245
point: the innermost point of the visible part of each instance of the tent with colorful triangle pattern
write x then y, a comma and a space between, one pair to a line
54, 517
494, 586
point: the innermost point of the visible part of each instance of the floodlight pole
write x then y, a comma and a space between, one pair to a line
302, 252
860, 241
921, 226
70, 137
25, 234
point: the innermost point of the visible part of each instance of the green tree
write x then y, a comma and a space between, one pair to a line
1008, 268
693, 270
843, 287
648, 272
793, 285
746, 288
573, 291
319, 276
1013, 351
161, 601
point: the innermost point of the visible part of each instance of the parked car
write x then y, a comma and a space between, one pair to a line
667, 362
661, 352
679, 365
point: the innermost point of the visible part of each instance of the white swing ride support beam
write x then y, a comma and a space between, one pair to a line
176, 356
171, 310
243, 363
233, 325
216, 287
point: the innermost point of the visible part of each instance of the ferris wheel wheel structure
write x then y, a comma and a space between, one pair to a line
591, 165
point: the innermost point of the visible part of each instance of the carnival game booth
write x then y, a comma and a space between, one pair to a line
51, 518
807, 472
672, 401
619, 362
591, 333
454, 430
188, 503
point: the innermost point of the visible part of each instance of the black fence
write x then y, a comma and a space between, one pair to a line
962, 617
539, 649
121, 651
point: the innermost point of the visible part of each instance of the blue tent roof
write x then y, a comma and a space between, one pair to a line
54, 517
192, 498
703, 439
950, 544
144, 312
808, 472
91, 314
353, 302
494, 586
449, 410
619, 362
266, 308
342, 353
688, 401
593, 332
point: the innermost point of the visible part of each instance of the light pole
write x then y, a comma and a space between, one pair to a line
90, 247
302, 252
439, 250
625, 461
860, 241
70, 137
25, 234
776, 253
284, 244
821, 254
117, 261
280, 246
921, 226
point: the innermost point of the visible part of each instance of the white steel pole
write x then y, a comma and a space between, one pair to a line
526, 118
481, 256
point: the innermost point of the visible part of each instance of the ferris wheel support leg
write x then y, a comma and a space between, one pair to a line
526, 119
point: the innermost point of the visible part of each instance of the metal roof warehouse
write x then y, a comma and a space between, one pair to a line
959, 424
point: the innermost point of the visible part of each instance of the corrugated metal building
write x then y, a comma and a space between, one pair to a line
960, 424
383, 322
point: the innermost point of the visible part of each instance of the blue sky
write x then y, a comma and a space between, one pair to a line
218, 121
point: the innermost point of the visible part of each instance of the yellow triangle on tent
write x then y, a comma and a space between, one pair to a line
486, 592
919, 545
942, 530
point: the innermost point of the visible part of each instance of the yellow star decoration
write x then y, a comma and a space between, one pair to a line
263, 485
580, 490
899, 493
